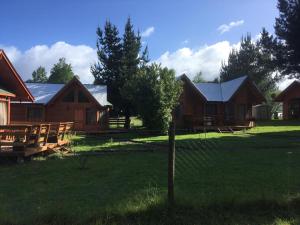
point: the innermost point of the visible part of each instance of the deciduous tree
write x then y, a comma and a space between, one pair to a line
61, 72
158, 93
39, 76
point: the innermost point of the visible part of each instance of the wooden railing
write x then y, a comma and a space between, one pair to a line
116, 122
19, 137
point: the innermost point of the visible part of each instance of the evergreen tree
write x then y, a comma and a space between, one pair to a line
39, 76
287, 29
108, 69
118, 66
130, 66
199, 78
61, 73
255, 60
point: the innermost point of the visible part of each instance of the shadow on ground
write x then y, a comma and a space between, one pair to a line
231, 179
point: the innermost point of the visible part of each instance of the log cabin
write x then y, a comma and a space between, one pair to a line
217, 104
290, 97
12, 88
84, 104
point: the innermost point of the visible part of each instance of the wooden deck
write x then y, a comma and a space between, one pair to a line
27, 139
222, 129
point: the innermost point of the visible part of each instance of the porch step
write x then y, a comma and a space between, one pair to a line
225, 130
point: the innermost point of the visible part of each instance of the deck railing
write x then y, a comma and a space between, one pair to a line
33, 137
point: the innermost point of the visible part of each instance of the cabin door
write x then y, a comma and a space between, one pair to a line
3, 113
79, 119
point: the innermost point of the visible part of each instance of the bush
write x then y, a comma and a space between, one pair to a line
157, 94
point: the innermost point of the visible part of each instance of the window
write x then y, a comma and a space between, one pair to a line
295, 109
211, 109
91, 116
82, 98
70, 97
242, 112
3, 113
229, 112
34, 114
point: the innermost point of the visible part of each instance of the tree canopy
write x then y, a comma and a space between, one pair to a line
118, 65
39, 76
61, 72
199, 78
254, 59
157, 95
287, 29
108, 69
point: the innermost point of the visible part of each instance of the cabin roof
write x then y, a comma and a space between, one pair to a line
281, 96
5, 92
220, 92
11, 81
43, 93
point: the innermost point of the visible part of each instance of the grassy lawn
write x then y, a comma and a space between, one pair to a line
240, 178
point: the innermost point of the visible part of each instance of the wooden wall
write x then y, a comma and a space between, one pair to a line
292, 93
61, 111
193, 105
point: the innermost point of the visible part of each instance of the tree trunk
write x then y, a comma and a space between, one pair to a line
127, 119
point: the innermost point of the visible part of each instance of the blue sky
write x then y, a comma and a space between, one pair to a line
185, 28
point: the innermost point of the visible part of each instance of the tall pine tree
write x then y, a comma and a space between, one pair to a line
130, 65
255, 60
287, 29
108, 69
118, 65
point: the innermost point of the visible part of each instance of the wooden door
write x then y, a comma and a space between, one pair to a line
79, 119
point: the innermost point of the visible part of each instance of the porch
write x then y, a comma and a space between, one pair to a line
27, 139
217, 123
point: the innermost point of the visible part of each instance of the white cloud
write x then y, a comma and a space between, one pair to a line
207, 59
80, 56
148, 32
227, 27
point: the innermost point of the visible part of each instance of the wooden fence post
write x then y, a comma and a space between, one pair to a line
171, 165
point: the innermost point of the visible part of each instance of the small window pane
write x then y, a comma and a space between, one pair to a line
91, 116
34, 114
70, 97
82, 98
211, 109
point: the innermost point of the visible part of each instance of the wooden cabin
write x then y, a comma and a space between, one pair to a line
84, 104
217, 104
12, 88
290, 98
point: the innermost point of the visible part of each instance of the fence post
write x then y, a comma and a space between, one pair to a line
171, 165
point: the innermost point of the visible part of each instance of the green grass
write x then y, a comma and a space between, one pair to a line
241, 178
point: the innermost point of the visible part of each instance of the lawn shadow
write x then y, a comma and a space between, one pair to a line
259, 212
230, 179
